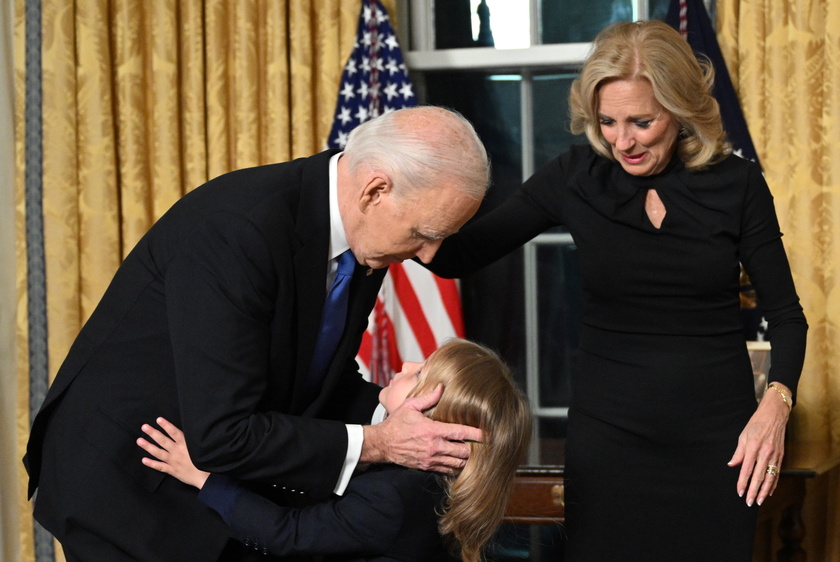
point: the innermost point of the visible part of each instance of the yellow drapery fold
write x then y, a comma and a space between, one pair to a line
784, 59
143, 101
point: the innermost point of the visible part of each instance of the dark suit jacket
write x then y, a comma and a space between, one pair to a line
388, 513
210, 322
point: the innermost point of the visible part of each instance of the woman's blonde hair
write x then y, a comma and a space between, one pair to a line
656, 52
478, 391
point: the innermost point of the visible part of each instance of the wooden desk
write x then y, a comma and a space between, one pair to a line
539, 498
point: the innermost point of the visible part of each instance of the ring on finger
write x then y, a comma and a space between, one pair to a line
772, 470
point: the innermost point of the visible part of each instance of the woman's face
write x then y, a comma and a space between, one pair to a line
398, 387
642, 133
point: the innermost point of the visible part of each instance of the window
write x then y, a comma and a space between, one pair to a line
507, 66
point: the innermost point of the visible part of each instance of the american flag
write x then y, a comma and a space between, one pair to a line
415, 310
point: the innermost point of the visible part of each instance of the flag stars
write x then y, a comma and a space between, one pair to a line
406, 90
347, 91
366, 90
363, 90
391, 41
377, 42
341, 139
390, 90
344, 115
362, 115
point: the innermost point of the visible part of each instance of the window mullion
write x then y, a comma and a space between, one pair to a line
422, 25
640, 10
534, 16
526, 116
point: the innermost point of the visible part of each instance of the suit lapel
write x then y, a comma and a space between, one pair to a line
310, 261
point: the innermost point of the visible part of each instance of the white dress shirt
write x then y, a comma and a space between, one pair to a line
338, 245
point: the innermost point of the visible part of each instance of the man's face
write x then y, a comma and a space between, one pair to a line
392, 228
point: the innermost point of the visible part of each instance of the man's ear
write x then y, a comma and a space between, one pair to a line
376, 188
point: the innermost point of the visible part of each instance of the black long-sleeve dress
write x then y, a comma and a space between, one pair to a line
663, 386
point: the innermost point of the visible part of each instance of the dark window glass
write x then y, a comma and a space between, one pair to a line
515, 543
558, 320
456, 28
552, 134
499, 23
658, 9
492, 104
573, 21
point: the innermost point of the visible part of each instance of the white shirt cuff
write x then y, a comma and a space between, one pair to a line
355, 438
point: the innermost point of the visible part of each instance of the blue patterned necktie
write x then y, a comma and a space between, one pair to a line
332, 321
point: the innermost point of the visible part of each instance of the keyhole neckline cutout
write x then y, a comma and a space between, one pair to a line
654, 208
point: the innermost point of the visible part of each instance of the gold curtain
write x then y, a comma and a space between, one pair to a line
143, 101
784, 60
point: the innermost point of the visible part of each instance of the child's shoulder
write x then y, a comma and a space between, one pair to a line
407, 482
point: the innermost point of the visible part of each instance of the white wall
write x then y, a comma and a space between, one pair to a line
9, 461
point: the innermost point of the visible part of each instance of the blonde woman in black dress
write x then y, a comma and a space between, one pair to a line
668, 455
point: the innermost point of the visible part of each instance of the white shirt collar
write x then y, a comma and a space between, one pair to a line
338, 238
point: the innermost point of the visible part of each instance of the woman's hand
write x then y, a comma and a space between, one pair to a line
761, 448
171, 454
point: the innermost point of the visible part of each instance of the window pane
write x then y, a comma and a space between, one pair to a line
492, 103
515, 543
506, 25
482, 23
573, 21
658, 9
558, 320
551, 117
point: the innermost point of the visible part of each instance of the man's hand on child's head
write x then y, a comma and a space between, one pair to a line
407, 437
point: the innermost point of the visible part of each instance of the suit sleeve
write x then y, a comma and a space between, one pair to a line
366, 520
224, 291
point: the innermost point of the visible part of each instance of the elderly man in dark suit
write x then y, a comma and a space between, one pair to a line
212, 322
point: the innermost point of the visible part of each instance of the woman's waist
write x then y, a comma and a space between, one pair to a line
669, 340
